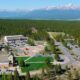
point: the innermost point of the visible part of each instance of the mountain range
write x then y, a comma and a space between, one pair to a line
49, 13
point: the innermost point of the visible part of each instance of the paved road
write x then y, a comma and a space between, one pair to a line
75, 50
67, 53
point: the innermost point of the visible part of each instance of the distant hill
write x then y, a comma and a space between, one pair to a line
12, 14
52, 14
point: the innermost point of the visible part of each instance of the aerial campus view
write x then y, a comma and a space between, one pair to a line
40, 40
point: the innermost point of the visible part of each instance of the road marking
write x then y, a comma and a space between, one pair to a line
34, 62
29, 58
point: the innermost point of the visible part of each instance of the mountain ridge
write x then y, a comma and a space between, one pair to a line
53, 13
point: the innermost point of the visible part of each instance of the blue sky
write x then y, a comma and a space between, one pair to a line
33, 4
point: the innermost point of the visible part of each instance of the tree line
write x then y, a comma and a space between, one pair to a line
12, 27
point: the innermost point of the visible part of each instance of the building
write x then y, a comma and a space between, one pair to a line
10, 58
9, 39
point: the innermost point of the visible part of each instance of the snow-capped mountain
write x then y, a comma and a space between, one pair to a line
69, 11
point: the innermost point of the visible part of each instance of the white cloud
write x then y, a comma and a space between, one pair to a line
67, 6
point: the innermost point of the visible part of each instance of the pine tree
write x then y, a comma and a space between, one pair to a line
16, 75
27, 77
69, 77
9, 77
3, 76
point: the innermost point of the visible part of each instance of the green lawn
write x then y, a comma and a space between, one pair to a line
21, 58
33, 66
37, 59
33, 63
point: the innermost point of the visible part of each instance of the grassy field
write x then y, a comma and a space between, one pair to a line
54, 34
34, 63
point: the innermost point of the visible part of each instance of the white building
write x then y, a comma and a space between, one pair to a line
10, 58
8, 39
